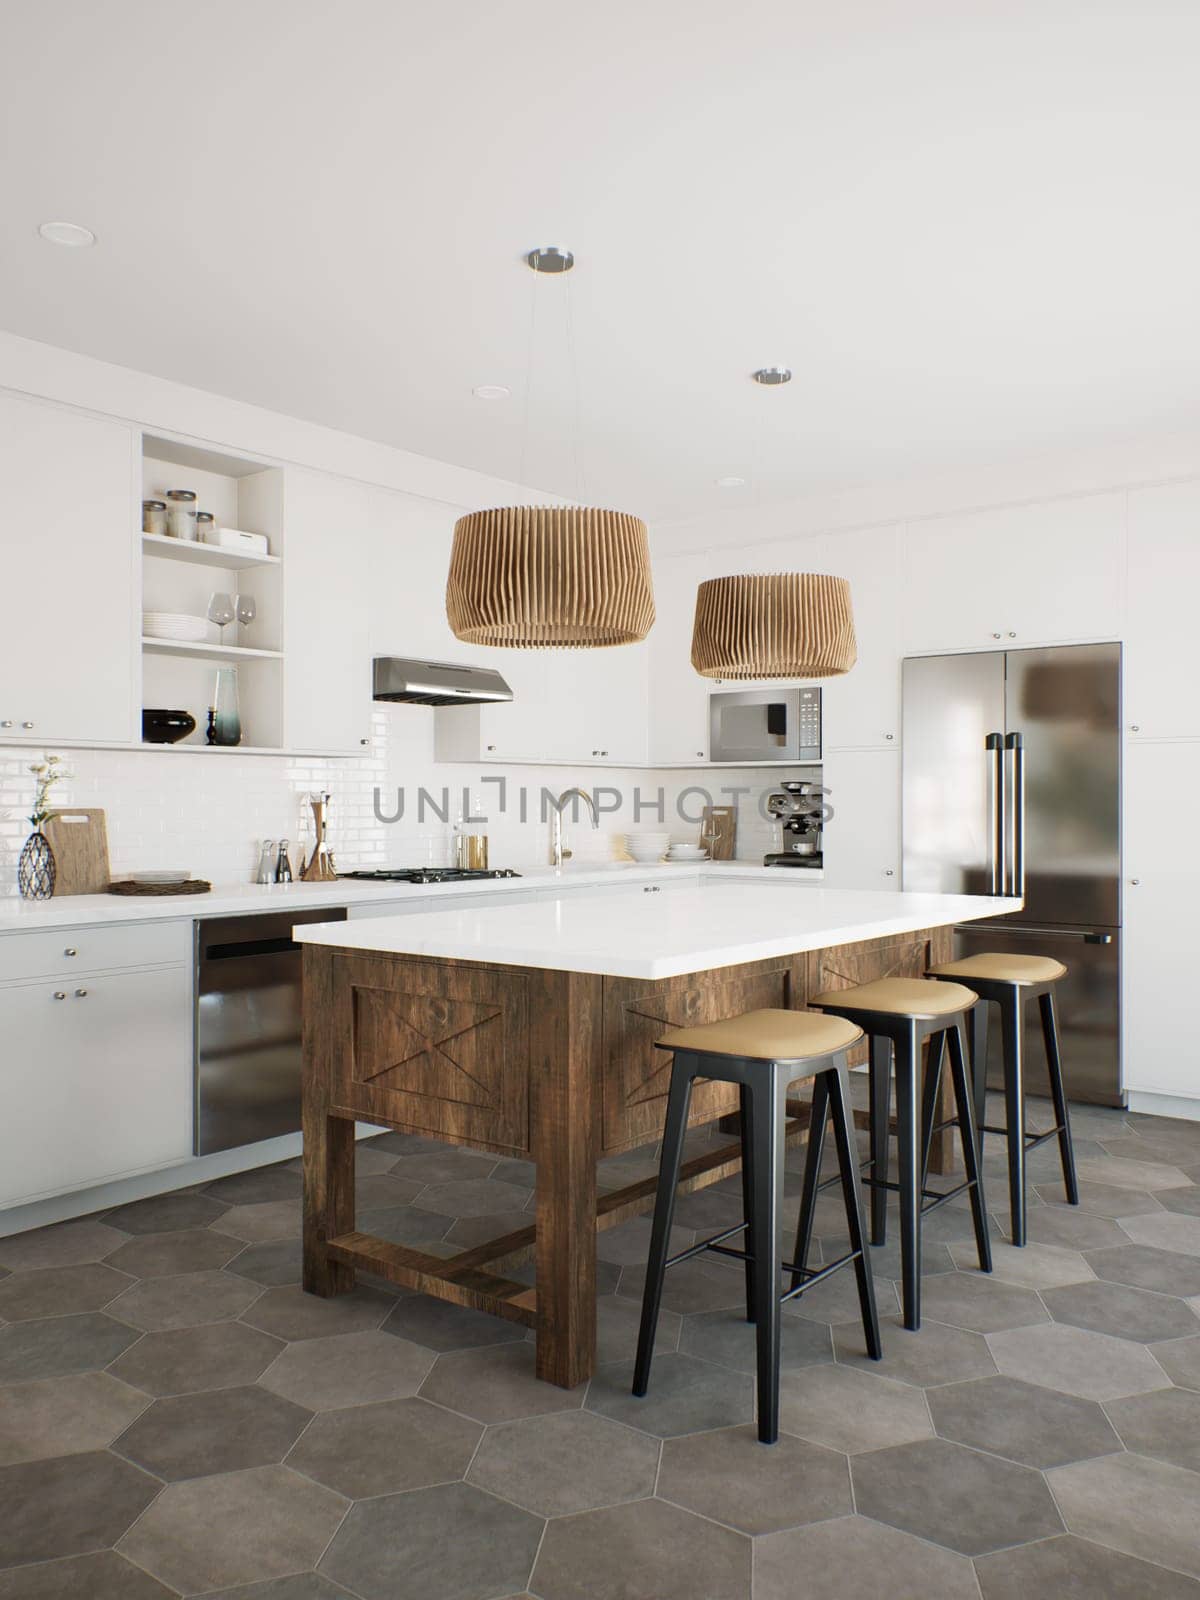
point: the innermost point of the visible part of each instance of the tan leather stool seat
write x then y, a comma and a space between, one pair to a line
1000, 967
901, 997
766, 1035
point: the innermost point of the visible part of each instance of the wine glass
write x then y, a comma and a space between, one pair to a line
247, 609
222, 611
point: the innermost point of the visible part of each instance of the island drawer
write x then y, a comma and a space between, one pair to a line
54, 952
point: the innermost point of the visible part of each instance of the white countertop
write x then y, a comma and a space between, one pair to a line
658, 930
82, 910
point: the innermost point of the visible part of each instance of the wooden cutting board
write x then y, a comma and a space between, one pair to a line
721, 820
79, 839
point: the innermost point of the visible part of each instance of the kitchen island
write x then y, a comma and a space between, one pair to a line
528, 1031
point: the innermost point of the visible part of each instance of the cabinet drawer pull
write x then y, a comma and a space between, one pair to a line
60, 994
81, 994
27, 724
70, 951
7, 723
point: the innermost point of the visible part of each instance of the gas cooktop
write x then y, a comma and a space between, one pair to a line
431, 874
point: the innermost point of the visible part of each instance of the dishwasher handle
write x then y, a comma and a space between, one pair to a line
248, 948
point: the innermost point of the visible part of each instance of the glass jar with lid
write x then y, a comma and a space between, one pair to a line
206, 527
154, 516
181, 513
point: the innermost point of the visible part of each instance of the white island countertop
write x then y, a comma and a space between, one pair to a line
657, 930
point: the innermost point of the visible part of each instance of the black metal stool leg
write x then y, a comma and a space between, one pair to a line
748, 1197
839, 1095
965, 1101
767, 1114
929, 1097
1058, 1095
1011, 1020
908, 1132
678, 1101
881, 1095
979, 1061
812, 1177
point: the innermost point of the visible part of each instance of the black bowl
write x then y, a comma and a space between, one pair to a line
166, 727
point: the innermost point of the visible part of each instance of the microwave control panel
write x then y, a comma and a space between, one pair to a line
810, 725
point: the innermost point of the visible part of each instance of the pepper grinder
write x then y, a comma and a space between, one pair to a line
266, 863
283, 867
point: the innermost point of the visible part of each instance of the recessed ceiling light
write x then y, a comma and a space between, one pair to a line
550, 258
491, 391
730, 483
72, 234
772, 376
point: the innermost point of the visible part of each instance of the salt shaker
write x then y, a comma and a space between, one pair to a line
283, 867
266, 862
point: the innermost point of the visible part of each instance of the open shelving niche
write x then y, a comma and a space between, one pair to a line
178, 575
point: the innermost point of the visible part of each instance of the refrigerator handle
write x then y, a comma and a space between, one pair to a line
997, 831
1014, 750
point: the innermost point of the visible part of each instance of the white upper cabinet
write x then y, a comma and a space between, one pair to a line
678, 694
860, 841
1020, 575
1164, 578
67, 521
861, 709
327, 581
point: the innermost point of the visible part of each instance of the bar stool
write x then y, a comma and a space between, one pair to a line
764, 1052
898, 1014
1009, 981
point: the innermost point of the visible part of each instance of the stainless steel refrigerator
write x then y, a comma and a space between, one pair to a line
1012, 784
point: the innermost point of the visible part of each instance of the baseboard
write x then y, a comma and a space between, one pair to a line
1164, 1105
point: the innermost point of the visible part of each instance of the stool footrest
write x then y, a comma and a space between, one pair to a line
1032, 1140
713, 1242
814, 1275
933, 1198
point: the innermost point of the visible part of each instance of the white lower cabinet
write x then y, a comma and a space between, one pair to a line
95, 1079
861, 838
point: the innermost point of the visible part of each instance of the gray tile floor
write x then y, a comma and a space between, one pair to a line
177, 1418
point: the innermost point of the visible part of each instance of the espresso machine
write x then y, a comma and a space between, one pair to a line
799, 811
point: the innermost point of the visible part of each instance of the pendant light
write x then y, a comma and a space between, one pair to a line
536, 577
774, 625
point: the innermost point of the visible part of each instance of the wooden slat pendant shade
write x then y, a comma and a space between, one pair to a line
774, 625
530, 577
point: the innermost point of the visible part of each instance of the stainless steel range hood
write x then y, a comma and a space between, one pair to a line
436, 683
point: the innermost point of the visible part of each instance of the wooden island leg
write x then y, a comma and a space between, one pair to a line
328, 1142
565, 1065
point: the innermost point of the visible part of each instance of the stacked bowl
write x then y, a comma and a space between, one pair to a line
647, 847
687, 852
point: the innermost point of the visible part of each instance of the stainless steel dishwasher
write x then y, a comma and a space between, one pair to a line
247, 1054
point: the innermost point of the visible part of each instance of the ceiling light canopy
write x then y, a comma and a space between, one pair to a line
772, 377
534, 577
550, 258
73, 234
774, 625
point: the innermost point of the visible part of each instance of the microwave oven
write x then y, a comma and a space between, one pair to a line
765, 725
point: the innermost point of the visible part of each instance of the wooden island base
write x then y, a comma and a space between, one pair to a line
554, 1067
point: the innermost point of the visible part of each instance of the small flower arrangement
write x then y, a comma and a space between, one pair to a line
47, 773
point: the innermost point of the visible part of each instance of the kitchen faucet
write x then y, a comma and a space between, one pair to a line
557, 854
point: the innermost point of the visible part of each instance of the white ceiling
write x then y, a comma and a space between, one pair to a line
970, 228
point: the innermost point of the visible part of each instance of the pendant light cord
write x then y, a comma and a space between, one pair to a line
580, 481
529, 346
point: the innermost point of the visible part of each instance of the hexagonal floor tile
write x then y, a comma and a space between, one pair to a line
647, 1550
1186, 1200
272, 1219
447, 1164
94, 1496
289, 1313
1071, 1566
1168, 1231
278, 1261
377, 1191
618, 1321
1143, 1267
348, 1369
469, 1231
1123, 1172
685, 1396
187, 1301
257, 1187
1091, 1365
1180, 1359
629, 1244
954, 1497
440, 1325
405, 1225
1164, 1424
103, 1576
1033, 1426
471, 1197
852, 1410
393, 1445
979, 1303
729, 1476
1121, 1312
1101, 1199
701, 1284
301, 1586
935, 1354
728, 1339
54, 1346
184, 1360
236, 1527
1141, 1507
1034, 1266
163, 1213
853, 1556
63, 1416
63, 1244
572, 1461
497, 1384
1067, 1227
458, 1543
163, 1255
223, 1430
59, 1291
